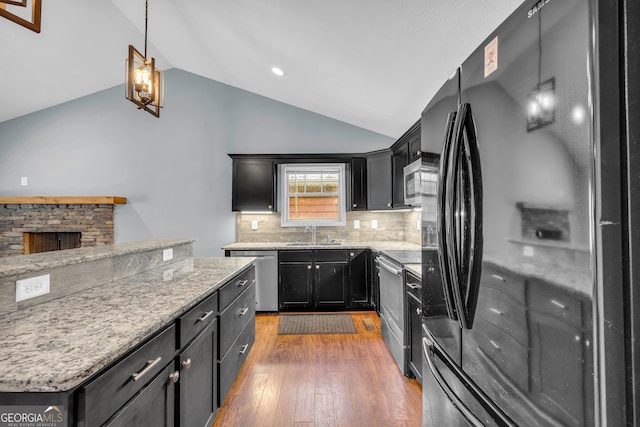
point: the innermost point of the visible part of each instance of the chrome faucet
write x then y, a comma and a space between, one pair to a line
312, 229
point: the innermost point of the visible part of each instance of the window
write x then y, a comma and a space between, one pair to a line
312, 194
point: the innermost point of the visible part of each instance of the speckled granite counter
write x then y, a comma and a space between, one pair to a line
57, 345
278, 246
20, 264
415, 269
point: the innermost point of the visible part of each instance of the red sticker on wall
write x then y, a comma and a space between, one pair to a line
491, 57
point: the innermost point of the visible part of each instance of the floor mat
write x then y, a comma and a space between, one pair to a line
316, 324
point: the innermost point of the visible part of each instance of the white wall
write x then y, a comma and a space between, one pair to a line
174, 170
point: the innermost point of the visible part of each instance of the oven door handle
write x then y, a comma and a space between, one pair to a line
429, 351
389, 267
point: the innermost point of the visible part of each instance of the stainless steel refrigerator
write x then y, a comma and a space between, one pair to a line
528, 292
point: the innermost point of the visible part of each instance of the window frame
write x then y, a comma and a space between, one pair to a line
286, 168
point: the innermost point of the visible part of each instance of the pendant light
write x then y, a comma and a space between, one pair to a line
144, 82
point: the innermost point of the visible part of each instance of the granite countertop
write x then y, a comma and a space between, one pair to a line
21, 264
415, 269
570, 279
275, 246
57, 345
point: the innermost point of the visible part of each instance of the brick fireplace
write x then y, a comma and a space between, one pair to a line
92, 217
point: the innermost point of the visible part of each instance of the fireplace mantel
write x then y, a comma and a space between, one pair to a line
62, 200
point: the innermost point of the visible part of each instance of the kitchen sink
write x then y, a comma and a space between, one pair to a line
316, 244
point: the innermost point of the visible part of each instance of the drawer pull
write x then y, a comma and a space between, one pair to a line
496, 311
493, 343
419, 311
241, 283
175, 376
244, 349
244, 311
414, 286
498, 277
204, 317
558, 304
150, 365
186, 364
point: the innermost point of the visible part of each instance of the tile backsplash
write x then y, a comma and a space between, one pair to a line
392, 226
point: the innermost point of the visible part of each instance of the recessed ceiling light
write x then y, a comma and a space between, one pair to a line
278, 71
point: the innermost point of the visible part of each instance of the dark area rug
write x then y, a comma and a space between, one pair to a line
316, 324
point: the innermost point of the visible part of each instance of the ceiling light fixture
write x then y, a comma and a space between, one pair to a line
144, 82
278, 71
36, 13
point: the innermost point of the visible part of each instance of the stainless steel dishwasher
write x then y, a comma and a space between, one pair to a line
392, 310
266, 278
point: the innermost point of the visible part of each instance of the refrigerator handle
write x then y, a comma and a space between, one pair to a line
443, 206
473, 261
428, 350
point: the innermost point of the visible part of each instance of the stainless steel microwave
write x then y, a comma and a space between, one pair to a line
420, 177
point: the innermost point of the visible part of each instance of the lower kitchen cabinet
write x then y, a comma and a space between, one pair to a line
324, 279
414, 319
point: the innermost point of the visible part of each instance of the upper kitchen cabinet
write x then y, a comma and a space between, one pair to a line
254, 184
405, 150
358, 184
379, 180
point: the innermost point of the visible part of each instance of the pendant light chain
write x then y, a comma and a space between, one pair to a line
146, 16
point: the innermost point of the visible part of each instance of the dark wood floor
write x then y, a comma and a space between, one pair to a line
321, 380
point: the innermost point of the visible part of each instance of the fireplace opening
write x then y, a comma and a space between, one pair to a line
51, 241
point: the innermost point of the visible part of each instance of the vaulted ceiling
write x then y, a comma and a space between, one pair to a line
370, 63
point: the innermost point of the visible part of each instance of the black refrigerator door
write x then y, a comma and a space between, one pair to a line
438, 307
530, 345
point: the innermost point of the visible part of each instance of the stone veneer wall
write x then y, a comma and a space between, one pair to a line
95, 222
392, 226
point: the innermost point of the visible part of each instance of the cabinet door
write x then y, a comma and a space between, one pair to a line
295, 280
358, 184
379, 178
400, 160
253, 186
153, 406
359, 279
330, 283
415, 150
414, 336
197, 389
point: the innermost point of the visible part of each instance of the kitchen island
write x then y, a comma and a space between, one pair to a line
54, 352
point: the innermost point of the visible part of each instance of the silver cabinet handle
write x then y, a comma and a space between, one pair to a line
244, 349
498, 277
308, 267
414, 286
352, 254
150, 365
243, 311
496, 311
174, 376
270, 206
241, 283
388, 267
558, 304
204, 316
317, 267
186, 364
389, 205
419, 311
355, 205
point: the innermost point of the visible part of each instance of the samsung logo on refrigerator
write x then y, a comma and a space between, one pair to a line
537, 7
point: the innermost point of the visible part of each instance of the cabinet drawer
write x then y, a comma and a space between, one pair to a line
504, 281
504, 312
548, 299
295, 256
231, 290
195, 320
230, 365
331, 255
152, 407
235, 317
106, 394
414, 286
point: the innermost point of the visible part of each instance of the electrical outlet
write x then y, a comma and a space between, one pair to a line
418, 225
356, 224
254, 224
32, 287
374, 223
24, 181
167, 254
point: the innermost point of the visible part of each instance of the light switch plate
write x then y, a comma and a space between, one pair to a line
167, 254
356, 224
418, 225
254, 224
32, 287
24, 181
374, 223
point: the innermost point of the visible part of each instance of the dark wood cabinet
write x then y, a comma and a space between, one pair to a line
414, 323
400, 159
253, 185
358, 184
324, 279
197, 389
415, 144
379, 180
359, 279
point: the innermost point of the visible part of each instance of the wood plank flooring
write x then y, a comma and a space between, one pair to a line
321, 380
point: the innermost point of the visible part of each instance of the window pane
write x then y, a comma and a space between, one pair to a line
313, 208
